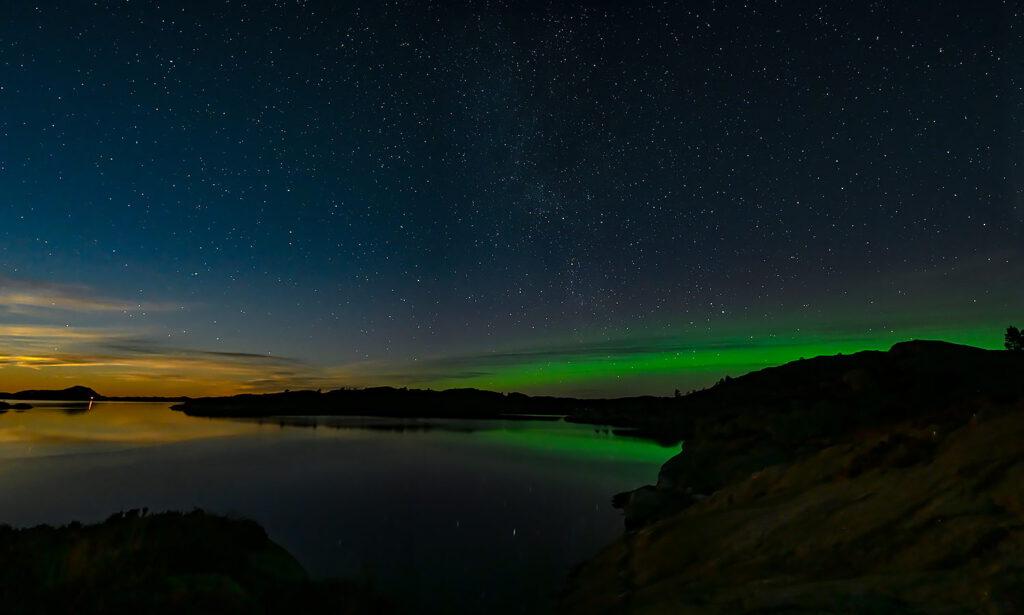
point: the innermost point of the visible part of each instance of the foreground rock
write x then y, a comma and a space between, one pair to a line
877, 482
165, 563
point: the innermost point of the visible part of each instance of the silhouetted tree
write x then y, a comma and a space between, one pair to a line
1014, 340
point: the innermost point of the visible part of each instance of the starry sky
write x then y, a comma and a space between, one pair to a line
570, 198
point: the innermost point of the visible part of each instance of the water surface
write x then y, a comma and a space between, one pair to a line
444, 515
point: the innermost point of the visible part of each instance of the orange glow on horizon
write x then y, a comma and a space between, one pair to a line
14, 379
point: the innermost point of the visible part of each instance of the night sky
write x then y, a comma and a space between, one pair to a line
573, 198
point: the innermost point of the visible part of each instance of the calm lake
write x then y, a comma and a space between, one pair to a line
441, 515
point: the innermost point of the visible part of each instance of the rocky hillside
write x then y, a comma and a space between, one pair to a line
875, 482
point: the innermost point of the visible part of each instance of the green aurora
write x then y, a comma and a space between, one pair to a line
583, 443
665, 366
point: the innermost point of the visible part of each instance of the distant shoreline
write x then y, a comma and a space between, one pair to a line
82, 393
647, 417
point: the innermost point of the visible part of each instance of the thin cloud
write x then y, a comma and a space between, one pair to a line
19, 295
99, 354
156, 364
48, 333
153, 347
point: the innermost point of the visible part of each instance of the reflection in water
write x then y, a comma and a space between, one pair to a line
53, 428
77, 407
362, 423
444, 515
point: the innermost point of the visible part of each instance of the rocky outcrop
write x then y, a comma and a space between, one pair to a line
876, 482
781, 414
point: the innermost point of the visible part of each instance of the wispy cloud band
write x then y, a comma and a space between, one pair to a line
18, 295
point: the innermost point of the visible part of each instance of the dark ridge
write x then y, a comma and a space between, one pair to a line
916, 370
425, 403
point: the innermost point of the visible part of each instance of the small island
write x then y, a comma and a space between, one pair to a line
80, 393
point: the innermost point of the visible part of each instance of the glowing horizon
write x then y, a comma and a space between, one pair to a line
598, 369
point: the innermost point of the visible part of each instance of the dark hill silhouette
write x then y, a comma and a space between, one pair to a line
164, 563
75, 393
376, 401
777, 414
81, 393
859, 388
631, 412
872, 482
